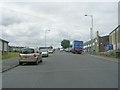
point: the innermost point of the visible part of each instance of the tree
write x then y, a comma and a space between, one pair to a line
65, 43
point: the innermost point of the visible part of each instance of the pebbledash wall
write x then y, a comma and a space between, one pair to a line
3, 47
99, 43
114, 38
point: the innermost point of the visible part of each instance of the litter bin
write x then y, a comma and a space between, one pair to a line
118, 54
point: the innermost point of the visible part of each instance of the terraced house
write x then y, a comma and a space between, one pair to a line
114, 38
102, 44
98, 44
15, 48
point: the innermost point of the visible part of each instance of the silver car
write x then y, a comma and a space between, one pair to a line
28, 55
44, 52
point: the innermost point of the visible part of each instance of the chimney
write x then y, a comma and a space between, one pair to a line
97, 33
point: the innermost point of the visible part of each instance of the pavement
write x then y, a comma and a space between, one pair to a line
105, 58
9, 64
64, 70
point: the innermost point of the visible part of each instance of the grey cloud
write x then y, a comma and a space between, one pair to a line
65, 19
9, 17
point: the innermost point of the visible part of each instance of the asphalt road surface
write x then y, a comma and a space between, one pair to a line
64, 70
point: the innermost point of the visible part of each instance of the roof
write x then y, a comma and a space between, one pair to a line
107, 36
87, 42
4, 40
103, 37
16, 47
43, 47
115, 29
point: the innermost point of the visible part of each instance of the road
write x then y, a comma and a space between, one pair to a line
64, 70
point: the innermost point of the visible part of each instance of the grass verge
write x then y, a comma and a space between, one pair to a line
9, 56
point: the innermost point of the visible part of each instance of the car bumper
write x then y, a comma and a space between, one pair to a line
76, 51
27, 61
44, 55
50, 52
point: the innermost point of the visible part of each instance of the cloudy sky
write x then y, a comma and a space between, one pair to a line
25, 23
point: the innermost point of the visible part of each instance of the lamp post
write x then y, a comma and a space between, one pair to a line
91, 30
46, 36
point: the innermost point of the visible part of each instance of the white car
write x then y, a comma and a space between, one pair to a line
50, 51
44, 52
61, 49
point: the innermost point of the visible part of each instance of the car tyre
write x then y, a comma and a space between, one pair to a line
20, 63
37, 62
41, 61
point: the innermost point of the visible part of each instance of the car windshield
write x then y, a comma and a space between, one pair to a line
49, 49
27, 51
43, 50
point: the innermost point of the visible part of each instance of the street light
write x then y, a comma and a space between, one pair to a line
45, 36
91, 30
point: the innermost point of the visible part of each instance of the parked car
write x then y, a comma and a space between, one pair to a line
67, 50
44, 52
54, 50
61, 49
28, 55
50, 51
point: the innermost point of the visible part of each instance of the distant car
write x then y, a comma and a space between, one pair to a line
50, 51
67, 50
54, 50
44, 52
28, 55
61, 49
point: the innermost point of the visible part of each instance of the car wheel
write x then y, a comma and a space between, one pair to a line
20, 63
37, 62
41, 61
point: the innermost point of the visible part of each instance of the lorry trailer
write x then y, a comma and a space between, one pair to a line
77, 47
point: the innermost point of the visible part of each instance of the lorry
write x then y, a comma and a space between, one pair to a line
77, 47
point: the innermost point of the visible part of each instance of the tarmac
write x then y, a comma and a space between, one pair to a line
14, 62
9, 64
